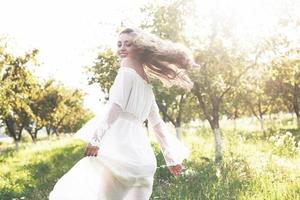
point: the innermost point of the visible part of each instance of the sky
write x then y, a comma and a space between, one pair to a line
69, 33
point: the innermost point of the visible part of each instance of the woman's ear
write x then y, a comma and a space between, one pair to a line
195, 65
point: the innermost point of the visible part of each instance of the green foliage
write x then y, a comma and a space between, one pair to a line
175, 104
286, 79
61, 109
285, 144
26, 104
168, 20
104, 70
17, 84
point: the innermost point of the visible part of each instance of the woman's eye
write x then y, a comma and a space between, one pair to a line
119, 45
128, 45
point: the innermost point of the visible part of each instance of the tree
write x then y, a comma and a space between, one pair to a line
16, 87
164, 20
64, 104
176, 105
33, 122
235, 107
43, 104
219, 74
286, 63
223, 63
286, 79
168, 20
257, 98
104, 70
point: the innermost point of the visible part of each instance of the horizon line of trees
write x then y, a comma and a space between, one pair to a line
29, 105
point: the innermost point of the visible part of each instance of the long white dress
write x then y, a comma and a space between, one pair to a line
125, 165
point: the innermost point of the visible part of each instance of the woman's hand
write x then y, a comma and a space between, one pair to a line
176, 169
91, 150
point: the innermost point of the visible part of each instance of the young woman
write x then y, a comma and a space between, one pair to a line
120, 163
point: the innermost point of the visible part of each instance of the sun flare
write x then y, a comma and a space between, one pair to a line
250, 19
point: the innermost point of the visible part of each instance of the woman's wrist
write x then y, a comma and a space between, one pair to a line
95, 143
98, 135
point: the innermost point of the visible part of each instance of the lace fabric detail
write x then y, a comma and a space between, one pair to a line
112, 115
173, 150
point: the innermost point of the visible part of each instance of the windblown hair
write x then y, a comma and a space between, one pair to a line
163, 59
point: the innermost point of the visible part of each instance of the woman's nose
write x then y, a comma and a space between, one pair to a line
122, 47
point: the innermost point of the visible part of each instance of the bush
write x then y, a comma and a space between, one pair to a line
285, 144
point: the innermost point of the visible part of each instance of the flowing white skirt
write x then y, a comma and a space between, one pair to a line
89, 179
123, 169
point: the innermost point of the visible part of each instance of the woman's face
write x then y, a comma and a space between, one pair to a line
125, 47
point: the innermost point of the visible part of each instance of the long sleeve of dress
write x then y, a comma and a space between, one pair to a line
111, 116
97, 127
173, 149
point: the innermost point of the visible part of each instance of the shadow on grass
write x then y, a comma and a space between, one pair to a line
43, 170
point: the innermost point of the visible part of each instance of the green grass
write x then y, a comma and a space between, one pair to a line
252, 168
32, 171
248, 171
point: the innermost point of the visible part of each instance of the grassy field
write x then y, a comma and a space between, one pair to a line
253, 167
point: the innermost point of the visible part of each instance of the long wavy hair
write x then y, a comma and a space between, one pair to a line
163, 59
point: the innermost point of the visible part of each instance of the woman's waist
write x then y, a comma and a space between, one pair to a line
131, 117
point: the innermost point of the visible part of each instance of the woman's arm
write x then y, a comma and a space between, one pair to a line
118, 99
112, 115
174, 151
94, 144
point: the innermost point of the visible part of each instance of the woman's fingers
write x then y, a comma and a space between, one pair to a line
91, 150
176, 170
179, 168
87, 151
95, 150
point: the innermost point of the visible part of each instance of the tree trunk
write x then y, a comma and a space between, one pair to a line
17, 144
296, 104
298, 122
236, 115
48, 130
234, 124
262, 127
178, 132
213, 119
203, 124
33, 138
218, 145
55, 131
17, 135
214, 124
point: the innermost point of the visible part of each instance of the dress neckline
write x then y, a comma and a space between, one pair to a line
139, 76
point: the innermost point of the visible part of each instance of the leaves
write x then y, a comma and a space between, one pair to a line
26, 104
